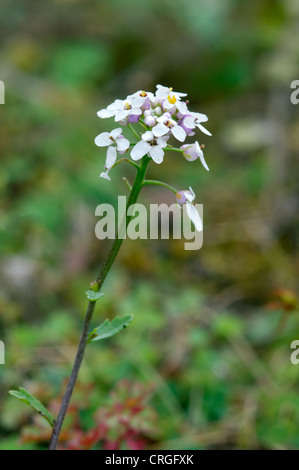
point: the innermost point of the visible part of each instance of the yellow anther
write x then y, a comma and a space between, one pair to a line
143, 94
172, 99
168, 124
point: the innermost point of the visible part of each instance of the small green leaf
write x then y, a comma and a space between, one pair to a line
27, 398
93, 296
110, 328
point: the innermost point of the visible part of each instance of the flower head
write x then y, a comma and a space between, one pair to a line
164, 115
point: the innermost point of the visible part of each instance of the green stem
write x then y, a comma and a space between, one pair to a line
136, 188
159, 183
127, 183
134, 132
143, 125
125, 160
169, 147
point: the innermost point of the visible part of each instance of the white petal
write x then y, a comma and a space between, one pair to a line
116, 105
162, 92
138, 101
179, 133
194, 216
140, 150
103, 140
201, 156
160, 130
151, 96
105, 175
157, 154
203, 129
192, 192
161, 142
135, 111
189, 122
110, 157
182, 107
177, 94
122, 114
200, 117
105, 113
189, 197
122, 144
116, 132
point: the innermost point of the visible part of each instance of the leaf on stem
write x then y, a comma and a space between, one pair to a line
93, 296
109, 328
30, 400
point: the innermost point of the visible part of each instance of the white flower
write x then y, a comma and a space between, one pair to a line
121, 110
168, 97
115, 142
151, 145
110, 110
168, 125
195, 120
164, 114
141, 99
193, 151
186, 197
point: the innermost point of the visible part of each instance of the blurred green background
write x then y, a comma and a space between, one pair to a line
209, 359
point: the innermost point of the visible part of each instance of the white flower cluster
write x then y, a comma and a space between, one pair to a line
160, 116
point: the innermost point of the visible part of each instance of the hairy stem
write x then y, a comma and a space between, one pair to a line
136, 188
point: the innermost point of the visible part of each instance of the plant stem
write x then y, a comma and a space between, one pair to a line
125, 160
136, 188
159, 183
134, 132
169, 147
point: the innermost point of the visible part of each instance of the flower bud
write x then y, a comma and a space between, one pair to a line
146, 105
150, 121
133, 118
190, 152
158, 111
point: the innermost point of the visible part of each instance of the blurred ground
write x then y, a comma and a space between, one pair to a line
215, 358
